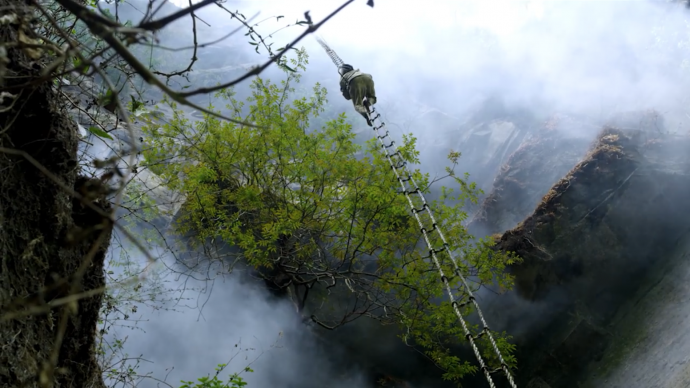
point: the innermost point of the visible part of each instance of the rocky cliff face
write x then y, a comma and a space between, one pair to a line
52, 245
486, 139
588, 244
621, 202
540, 160
650, 343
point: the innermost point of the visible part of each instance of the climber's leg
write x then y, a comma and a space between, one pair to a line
359, 89
371, 93
366, 117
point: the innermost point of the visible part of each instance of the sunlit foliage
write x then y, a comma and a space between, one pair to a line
324, 213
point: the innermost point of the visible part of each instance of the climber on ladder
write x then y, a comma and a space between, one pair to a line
358, 87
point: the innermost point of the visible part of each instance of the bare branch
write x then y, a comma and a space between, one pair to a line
196, 45
160, 23
256, 71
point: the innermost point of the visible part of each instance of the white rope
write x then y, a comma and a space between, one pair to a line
432, 252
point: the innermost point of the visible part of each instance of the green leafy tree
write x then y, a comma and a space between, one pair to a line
319, 216
235, 380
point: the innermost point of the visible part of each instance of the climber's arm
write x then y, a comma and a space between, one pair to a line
344, 89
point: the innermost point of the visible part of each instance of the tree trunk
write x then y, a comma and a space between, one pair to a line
37, 263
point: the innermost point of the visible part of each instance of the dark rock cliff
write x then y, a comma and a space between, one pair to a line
588, 246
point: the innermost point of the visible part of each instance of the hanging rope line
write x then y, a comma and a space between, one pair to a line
373, 116
400, 167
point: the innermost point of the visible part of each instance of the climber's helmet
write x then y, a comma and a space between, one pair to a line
344, 69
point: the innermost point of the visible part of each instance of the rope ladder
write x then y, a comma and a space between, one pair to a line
397, 169
373, 117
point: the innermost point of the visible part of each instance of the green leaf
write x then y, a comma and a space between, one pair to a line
107, 98
136, 105
100, 133
79, 66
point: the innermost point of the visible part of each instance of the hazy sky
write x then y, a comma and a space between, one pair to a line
576, 54
591, 58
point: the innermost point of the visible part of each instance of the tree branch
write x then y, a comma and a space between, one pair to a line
256, 71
